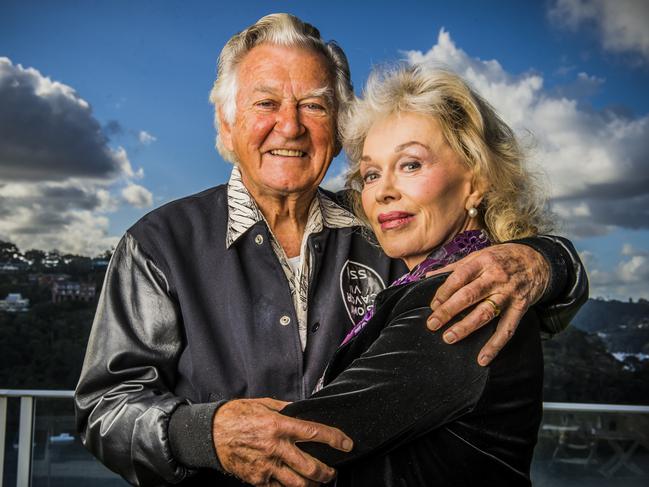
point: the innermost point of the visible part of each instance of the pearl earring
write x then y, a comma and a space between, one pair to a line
473, 212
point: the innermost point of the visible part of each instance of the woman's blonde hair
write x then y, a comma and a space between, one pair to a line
512, 207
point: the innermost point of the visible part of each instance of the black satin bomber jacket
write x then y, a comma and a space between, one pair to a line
184, 324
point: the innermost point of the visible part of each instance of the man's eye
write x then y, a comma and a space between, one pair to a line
314, 107
265, 104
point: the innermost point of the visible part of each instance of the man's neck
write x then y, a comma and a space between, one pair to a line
287, 217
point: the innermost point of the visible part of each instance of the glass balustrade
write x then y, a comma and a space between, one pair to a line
579, 445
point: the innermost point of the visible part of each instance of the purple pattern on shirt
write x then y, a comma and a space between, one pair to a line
462, 245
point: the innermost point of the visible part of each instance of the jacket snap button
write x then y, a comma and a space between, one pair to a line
284, 320
259, 239
315, 327
317, 246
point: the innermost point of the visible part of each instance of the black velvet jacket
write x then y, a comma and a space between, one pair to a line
423, 413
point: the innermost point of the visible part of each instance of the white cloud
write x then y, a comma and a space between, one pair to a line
630, 250
622, 24
629, 277
596, 162
49, 131
138, 196
58, 172
335, 182
583, 86
634, 269
145, 137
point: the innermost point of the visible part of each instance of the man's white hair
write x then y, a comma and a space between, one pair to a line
283, 30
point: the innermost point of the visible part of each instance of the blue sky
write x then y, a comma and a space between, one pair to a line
114, 94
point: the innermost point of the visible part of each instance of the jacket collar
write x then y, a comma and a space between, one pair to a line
243, 212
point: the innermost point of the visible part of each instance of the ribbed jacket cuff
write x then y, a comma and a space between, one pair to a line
558, 260
190, 435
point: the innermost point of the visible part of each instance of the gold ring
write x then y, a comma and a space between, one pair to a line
494, 306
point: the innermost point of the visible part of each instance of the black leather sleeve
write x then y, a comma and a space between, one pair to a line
123, 400
568, 288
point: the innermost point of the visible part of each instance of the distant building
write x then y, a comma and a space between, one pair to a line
72, 291
10, 267
14, 303
99, 263
46, 280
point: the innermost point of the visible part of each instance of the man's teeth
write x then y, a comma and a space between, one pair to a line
287, 153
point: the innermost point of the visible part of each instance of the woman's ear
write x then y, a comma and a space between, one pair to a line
225, 132
478, 189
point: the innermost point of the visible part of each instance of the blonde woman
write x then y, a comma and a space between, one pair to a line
440, 176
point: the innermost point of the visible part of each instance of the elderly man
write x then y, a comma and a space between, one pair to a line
218, 307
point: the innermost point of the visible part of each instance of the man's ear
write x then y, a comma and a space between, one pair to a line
225, 132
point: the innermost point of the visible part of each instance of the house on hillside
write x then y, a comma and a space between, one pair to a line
46, 280
72, 291
14, 303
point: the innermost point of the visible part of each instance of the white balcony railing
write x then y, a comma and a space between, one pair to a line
579, 444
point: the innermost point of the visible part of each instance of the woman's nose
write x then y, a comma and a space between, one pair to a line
387, 190
288, 122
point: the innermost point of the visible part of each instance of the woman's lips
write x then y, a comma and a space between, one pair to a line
394, 219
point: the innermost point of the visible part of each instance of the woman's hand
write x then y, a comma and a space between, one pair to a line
504, 279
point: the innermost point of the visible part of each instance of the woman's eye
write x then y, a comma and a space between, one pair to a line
411, 166
369, 177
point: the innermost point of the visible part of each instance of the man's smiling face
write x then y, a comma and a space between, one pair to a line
284, 131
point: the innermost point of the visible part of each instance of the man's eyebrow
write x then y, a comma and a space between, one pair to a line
405, 145
324, 92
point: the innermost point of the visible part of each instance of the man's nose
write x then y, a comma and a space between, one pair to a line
288, 123
387, 190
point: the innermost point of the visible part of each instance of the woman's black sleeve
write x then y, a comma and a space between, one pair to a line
405, 384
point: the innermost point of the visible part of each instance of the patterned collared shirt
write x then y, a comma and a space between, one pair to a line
243, 213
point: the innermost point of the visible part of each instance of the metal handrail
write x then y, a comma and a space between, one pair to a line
594, 408
50, 394
27, 396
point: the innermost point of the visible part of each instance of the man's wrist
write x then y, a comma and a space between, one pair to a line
190, 435
557, 261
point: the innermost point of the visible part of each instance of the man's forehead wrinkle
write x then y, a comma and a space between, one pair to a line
321, 92
286, 76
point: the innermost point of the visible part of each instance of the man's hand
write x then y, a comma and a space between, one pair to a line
257, 444
503, 279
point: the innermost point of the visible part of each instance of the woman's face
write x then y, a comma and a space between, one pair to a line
416, 190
